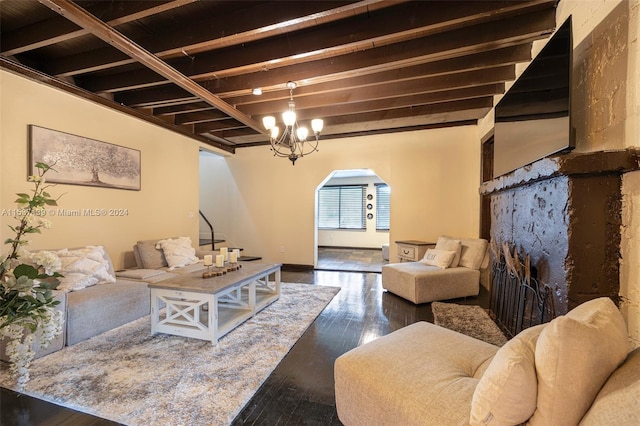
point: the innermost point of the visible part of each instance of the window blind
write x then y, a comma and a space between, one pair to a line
341, 207
382, 207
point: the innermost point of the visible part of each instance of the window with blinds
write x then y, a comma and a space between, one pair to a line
341, 207
382, 207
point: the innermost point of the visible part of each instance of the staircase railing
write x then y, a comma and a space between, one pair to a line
213, 240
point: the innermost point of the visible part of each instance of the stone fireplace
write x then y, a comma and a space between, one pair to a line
565, 213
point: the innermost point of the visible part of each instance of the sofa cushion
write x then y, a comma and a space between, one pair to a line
140, 274
103, 307
473, 252
446, 243
439, 258
575, 355
618, 402
178, 252
506, 393
83, 268
148, 256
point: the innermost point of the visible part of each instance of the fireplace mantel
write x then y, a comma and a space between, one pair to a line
565, 213
588, 163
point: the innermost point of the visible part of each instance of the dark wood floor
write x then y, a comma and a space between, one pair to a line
300, 391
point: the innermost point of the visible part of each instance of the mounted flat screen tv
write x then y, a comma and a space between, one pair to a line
533, 119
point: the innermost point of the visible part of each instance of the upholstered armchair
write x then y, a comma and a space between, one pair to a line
449, 271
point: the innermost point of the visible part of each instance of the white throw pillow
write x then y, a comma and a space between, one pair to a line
440, 258
446, 243
506, 394
178, 251
83, 268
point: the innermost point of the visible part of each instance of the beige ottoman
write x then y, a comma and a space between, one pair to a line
421, 374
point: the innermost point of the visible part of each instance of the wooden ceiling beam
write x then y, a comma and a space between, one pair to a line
509, 55
237, 27
218, 126
236, 133
468, 104
409, 101
263, 28
182, 109
260, 57
346, 81
101, 30
159, 97
204, 125
58, 29
200, 117
353, 96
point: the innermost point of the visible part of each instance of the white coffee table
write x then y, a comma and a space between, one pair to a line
208, 308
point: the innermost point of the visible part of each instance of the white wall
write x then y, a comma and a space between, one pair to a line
433, 175
167, 204
216, 186
368, 238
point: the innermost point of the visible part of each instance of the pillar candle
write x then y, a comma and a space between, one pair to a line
220, 260
233, 257
237, 252
225, 252
208, 260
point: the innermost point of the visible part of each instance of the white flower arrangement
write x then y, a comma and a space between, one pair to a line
27, 306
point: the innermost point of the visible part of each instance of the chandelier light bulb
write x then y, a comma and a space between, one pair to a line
289, 117
275, 131
302, 133
268, 122
317, 124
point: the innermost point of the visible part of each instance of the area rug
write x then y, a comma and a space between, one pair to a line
471, 320
128, 376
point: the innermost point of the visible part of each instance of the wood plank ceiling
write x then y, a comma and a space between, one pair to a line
365, 67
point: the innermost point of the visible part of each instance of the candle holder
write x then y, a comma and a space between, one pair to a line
215, 273
207, 273
234, 266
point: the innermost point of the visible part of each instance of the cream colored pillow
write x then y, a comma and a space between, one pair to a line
575, 355
83, 267
178, 252
446, 243
440, 258
473, 252
506, 393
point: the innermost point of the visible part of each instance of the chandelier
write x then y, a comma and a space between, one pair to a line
293, 142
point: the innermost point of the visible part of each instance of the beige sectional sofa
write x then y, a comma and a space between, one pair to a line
96, 308
576, 369
122, 297
427, 281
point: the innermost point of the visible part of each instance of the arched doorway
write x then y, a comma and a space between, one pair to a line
352, 221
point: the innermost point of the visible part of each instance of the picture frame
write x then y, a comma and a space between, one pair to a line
84, 161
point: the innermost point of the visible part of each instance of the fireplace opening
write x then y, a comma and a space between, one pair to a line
517, 300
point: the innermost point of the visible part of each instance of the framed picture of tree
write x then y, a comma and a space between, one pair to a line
84, 161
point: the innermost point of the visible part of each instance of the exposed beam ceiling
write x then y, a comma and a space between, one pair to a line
366, 67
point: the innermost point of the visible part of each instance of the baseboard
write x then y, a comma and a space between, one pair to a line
350, 248
296, 268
